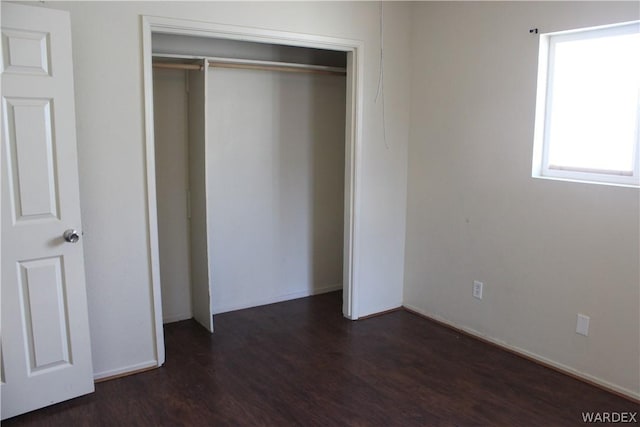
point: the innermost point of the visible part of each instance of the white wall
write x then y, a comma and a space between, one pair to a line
275, 185
109, 99
172, 184
545, 250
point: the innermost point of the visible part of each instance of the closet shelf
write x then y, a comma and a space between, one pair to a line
246, 64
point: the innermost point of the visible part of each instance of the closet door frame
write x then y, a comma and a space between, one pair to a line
353, 137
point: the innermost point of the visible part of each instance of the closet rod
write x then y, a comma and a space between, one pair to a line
177, 66
297, 68
284, 68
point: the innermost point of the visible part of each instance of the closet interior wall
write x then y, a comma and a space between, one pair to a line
273, 177
171, 123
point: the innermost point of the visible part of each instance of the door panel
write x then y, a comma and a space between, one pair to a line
25, 52
46, 353
44, 311
200, 275
30, 158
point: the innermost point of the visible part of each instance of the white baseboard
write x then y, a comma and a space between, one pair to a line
176, 317
114, 373
275, 299
529, 355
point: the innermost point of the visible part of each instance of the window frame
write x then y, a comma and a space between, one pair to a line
544, 99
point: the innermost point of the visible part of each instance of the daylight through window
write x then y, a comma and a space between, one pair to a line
588, 109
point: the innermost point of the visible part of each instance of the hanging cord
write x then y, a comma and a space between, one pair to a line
381, 77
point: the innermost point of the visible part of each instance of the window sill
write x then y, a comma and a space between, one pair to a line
586, 181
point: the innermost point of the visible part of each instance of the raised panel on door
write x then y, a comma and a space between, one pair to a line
25, 52
30, 153
44, 314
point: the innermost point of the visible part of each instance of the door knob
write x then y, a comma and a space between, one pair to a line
71, 236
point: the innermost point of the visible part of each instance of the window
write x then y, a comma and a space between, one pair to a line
588, 105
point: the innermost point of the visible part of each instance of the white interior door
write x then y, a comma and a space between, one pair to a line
200, 275
46, 353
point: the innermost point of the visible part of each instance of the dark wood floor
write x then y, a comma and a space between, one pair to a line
301, 363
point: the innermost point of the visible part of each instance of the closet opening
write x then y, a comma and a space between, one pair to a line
249, 175
252, 168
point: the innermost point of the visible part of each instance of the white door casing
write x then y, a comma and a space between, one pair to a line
46, 352
353, 137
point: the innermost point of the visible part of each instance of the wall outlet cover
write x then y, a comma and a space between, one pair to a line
582, 326
477, 289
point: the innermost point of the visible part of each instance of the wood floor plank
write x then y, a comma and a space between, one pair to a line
301, 363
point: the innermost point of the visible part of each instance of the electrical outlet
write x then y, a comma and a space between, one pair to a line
477, 289
582, 326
